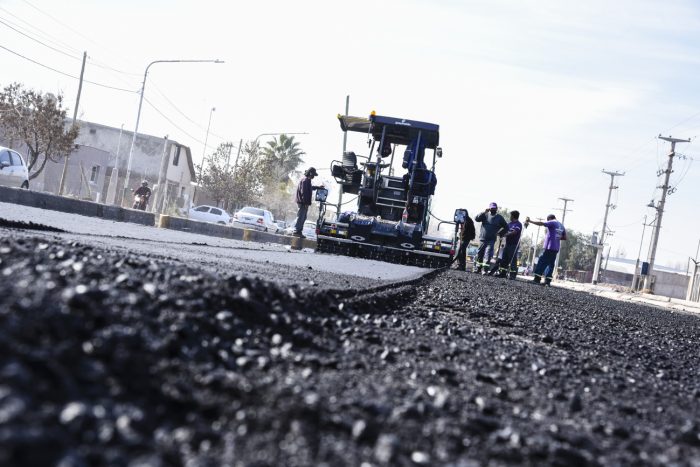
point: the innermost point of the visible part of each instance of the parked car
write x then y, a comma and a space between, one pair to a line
309, 230
13, 170
281, 225
209, 214
255, 218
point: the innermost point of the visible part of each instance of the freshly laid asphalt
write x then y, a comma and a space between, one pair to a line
117, 357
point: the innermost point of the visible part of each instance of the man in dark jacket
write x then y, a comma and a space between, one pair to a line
145, 193
492, 225
466, 235
303, 199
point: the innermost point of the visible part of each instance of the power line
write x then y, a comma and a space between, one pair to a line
39, 42
74, 31
63, 72
92, 59
30, 27
58, 21
171, 122
102, 65
222, 138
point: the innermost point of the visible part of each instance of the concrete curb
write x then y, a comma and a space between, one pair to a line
235, 233
51, 202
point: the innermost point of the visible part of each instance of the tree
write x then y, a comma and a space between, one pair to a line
576, 252
248, 177
280, 160
38, 121
217, 176
281, 157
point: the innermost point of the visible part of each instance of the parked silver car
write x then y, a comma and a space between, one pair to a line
255, 218
13, 169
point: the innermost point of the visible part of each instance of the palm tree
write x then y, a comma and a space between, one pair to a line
282, 156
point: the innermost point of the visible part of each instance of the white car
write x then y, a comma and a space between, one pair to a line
309, 230
209, 214
13, 170
255, 218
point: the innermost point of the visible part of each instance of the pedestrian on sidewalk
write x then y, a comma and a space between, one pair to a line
492, 224
467, 233
506, 264
552, 243
303, 199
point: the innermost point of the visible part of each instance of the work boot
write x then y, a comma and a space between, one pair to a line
299, 234
536, 280
548, 282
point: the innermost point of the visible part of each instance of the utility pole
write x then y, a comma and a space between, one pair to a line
238, 154
601, 240
345, 144
665, 188
162, 178
204, 157
62, 185
639, 254
563, 219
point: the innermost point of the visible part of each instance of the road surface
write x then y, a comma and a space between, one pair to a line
122, 352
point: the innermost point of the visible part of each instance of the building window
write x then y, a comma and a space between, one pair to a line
95, 173
93, 131
176, 159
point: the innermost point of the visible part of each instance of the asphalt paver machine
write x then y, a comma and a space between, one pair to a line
392, 214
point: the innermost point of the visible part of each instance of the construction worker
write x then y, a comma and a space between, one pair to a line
303, 199
506, 264
466, 235
552, 242
492, 224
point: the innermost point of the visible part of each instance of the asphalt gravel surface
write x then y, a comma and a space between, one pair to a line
113, 358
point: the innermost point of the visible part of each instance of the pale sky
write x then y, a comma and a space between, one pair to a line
533, 97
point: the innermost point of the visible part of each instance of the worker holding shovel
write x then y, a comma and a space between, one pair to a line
506, 264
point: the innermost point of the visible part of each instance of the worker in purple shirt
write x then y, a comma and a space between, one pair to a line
303, 199
554, 234
506, 264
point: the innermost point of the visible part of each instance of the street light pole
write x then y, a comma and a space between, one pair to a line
204, 156
138, 115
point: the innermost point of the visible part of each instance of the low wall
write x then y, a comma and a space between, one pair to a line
37, 199
235, 233
666, 284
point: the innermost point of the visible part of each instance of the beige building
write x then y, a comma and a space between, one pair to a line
100, 149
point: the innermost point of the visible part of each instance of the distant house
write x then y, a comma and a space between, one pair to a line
100, 149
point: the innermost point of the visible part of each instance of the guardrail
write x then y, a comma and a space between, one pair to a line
37, 199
